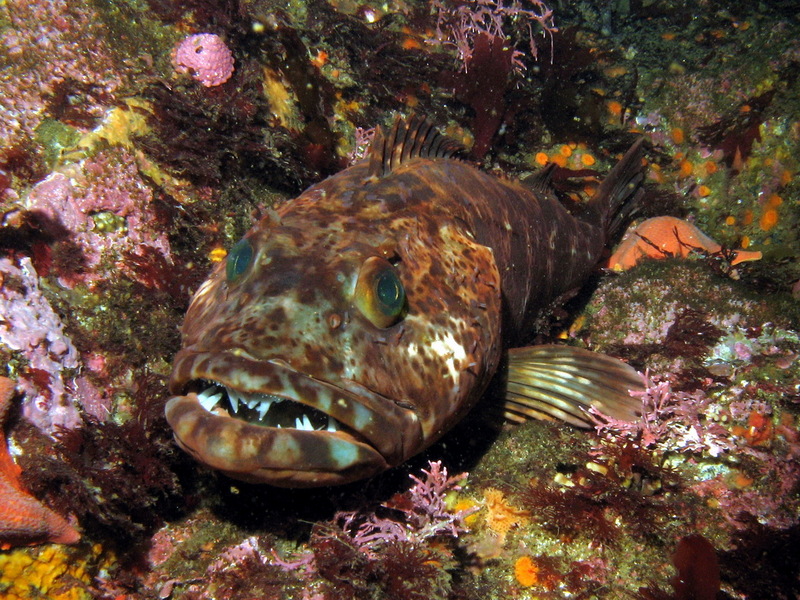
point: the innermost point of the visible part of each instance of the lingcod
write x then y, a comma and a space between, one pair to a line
354, 325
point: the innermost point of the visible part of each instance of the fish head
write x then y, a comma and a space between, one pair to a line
321, 353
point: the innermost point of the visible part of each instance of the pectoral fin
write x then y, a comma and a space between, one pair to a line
562, 382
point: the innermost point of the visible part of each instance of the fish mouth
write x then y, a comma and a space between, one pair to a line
265, 410
265, 422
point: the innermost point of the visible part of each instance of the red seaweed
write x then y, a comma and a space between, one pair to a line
735, 133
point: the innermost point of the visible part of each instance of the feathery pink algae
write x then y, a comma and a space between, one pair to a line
420, 515
673, 421
206, 56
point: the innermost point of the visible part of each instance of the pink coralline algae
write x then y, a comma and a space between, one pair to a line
206, 56
106, 209
31, 327
422, 515
470, 20
45, 45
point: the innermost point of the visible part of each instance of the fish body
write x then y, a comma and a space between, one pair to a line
355, 325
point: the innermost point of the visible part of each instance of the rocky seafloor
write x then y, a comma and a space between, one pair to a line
125, 176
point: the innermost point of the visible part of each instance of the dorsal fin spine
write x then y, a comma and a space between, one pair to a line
414, 137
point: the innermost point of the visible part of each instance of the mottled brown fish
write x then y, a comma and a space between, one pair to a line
353, 327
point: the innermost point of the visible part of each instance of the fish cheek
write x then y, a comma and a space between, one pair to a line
435, 359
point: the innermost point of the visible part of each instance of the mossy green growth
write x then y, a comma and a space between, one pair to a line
119, 317
534, 449
108, 221
133, 31
57, 139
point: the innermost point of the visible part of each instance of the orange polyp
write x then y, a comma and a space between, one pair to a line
742, 481
526, 571
774, 201
410, 43
217, 254
320, 60
759, 429
769, 219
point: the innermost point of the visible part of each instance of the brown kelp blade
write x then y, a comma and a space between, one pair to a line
562, 382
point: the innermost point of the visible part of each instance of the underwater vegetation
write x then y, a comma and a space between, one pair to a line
127, 171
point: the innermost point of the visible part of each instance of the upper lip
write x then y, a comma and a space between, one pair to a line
378, 420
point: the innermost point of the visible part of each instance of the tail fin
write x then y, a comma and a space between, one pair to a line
619, 194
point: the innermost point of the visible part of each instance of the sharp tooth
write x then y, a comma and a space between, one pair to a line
208, 402
307, 423
253, 401
298, 424
233, 398
209, 391
263, 408
332, 426
208, 399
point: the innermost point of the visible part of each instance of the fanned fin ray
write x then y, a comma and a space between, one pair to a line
562, 382
411, 138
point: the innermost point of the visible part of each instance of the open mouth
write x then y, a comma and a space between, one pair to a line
265, 422
265, 410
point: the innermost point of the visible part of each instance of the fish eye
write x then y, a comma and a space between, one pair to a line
379, 293
239, 259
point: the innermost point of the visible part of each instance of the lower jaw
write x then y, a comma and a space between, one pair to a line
284, 457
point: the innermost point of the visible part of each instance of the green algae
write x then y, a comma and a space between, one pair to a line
137, 33
57, 139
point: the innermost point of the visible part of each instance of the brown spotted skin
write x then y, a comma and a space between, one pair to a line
475, 255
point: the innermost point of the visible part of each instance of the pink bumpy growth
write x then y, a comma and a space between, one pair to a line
207, 56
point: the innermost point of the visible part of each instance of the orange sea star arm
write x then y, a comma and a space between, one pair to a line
23, 519
662, 237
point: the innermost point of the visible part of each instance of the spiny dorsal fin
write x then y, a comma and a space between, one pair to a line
539, 182
415, 137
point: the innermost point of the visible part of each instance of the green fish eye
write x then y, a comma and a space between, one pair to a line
379, 293
389, 293
239, 259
